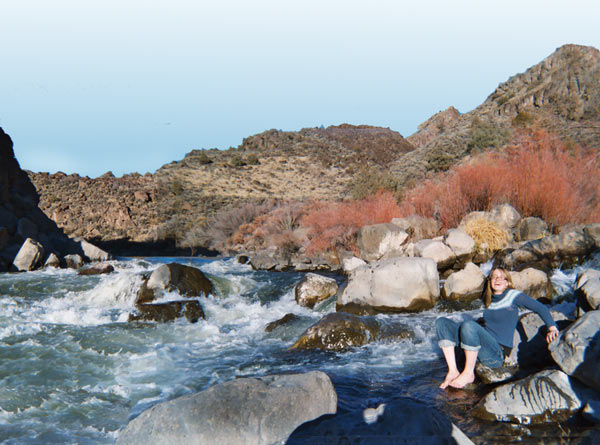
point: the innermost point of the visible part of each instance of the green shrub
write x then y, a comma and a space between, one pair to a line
486, 135
370, 180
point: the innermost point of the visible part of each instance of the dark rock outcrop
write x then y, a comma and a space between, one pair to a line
169, 311
263, 410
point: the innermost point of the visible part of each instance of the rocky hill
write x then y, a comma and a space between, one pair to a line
561, 94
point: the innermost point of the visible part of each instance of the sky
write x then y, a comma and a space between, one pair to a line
90, 86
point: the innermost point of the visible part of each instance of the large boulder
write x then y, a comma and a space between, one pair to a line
461, 244
392, 285
73, 261
548, 396
465, 285
418, 227
567, 248
313, 289
437, 251
351, 263
587, 290
339, 331
92, 252
578, 351
504, 215
532, 228
52, 261
30, 256
379, 240
188, 281
264, 410
533, 282
169, 311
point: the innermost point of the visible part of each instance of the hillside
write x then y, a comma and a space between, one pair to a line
560, 94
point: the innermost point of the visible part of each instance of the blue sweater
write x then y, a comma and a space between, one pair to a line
502, 316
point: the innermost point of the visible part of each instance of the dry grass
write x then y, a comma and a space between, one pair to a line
487, 234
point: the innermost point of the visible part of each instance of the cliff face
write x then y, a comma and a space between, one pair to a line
560, 94
20, 216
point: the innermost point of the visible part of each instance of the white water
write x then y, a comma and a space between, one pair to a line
73, 370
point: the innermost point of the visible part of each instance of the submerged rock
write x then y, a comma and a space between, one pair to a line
169, 311
264, 410
578, 350
313, 289
548, 396
287, 318
30, 256
393, 285
188, 281
98, 269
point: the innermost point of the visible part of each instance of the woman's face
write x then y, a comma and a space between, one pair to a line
498, 281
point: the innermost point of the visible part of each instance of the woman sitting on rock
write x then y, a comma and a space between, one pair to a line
485, 338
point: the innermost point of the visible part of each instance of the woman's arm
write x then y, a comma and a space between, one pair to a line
527, 302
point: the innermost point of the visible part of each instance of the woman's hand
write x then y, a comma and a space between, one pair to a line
552, 334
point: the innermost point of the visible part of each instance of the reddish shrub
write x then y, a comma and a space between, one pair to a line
335, 224
537, 175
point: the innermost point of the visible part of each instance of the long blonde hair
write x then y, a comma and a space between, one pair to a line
487, 290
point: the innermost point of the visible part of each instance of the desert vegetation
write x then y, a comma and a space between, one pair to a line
538, 174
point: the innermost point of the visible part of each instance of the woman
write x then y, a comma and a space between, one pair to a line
485, 338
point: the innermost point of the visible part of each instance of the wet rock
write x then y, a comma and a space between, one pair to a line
548, 396
587, 291
392, 285
73, 261
379, 240
418, 227
339, 331
287, 318
30, 256
500, 374
533, 282
52, 261
169, 311
461, 244
578, 351
532, 228
92, 252
188, 281
243, 259
437, 251
98, 269
465, 285
263, 410
313, 289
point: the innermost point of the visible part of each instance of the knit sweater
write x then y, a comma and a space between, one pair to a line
502, 316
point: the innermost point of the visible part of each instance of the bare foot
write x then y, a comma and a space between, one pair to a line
462, 380
449, 377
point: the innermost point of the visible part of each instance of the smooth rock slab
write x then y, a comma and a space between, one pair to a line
547, 396
578, 351
250, 411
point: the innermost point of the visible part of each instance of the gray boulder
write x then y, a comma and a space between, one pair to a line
567, 248
392, 285
52, 261
264, 410
73, 261
532, 228
418, 227
188, 281
578, 351
548, 396
533, 282
92, 252
313, 289
29, 256
437, 251
351, 263
506, 215
587, 291
379, 240
461, 244
465, 285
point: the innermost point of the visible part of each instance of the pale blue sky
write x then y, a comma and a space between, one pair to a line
89, 86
